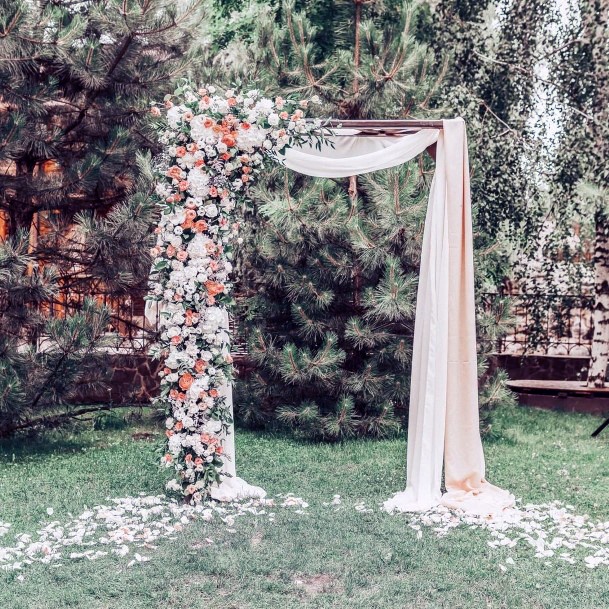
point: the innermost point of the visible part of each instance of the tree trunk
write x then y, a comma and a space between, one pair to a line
600, 343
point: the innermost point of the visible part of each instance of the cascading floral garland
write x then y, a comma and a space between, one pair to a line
215, 146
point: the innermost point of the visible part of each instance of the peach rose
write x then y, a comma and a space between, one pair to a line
186, 381
200, 365
180, 151
214, 288
155, 111
213, 191
182, 255
200, 226
179, 426
174, 172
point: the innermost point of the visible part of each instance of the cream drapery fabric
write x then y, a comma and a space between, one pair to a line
443, 418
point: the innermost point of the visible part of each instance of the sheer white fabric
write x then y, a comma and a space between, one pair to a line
443, 418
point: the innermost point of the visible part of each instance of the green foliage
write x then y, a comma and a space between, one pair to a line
331, 266
76, 82
331, 283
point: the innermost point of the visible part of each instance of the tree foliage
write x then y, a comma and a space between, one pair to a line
76, 81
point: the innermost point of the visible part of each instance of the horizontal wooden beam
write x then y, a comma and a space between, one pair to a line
385, 124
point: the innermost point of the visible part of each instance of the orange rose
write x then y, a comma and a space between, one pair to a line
229, 140
174, 172
232, 101
200, 365
214, 288
207, 123
199, 163
219, 450
186, 381
179, 426
213, 393
200, 226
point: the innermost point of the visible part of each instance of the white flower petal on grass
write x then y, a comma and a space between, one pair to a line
120, 527
545, 528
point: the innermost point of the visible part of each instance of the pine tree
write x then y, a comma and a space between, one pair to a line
330, 266
76, 81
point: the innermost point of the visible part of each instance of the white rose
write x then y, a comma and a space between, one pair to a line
211, 211
273, 119
174, 116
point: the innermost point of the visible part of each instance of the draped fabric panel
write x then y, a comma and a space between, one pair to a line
443, 418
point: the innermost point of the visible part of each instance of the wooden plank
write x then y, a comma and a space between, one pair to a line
554, 387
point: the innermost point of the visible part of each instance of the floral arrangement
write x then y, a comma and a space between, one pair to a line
216, 144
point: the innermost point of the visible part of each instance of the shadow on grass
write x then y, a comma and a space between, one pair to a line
94, 432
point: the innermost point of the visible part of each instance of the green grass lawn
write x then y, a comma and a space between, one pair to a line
324, 558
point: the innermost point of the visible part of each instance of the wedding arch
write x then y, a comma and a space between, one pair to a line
215, 147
